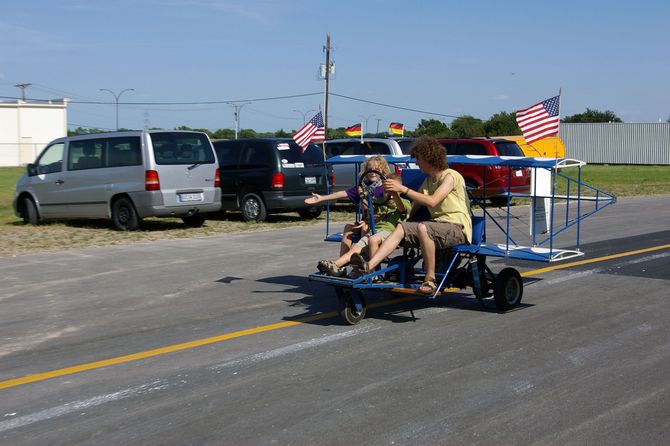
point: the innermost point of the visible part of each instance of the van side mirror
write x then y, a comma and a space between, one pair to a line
32, 170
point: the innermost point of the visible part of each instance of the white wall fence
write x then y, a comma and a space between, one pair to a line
13, 154
617, 143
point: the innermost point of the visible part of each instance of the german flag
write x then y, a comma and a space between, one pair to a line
396, 128
354, 130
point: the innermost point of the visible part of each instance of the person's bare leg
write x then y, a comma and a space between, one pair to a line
391, 243
345, 258
373, 245
428, 251
347, 234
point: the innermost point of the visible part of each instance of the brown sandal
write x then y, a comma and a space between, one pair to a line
428, 287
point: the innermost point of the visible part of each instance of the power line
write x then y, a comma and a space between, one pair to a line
393, 106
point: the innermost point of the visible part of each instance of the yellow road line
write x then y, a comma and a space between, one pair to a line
251, 331
597, 259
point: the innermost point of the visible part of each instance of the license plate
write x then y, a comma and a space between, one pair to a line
310, 180
185, 198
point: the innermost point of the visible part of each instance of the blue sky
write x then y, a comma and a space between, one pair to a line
445, 57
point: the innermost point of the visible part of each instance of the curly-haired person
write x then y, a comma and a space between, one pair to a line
443, 194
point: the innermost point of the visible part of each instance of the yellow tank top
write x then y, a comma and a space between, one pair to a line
454, 208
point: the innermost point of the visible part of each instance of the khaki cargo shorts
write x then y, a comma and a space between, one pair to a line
365, 241
443, 233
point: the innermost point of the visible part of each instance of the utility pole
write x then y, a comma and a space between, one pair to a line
325, 102
378, 120
236, 114
23, 89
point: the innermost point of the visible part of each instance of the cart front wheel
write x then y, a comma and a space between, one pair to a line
508, 289
350, 305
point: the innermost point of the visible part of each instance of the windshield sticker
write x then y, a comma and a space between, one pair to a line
283, 146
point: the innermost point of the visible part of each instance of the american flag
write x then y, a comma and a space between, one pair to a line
312, 131
540, 120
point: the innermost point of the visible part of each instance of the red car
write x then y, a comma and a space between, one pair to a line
495, 177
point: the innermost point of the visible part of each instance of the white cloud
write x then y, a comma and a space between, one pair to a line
501, 97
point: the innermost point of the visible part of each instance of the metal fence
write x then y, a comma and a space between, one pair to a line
617, 143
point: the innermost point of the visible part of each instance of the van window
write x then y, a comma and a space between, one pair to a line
341, 148
508, 149
85, 154
470, 148
228, 153
291, 154
181, 148
256, 155
104, 152
373, 148
124, 152
51, 159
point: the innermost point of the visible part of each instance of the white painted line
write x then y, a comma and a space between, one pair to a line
75, 406
293, 348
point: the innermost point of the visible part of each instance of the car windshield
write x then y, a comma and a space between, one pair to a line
291, 154
182, 148
405, 145
508, 148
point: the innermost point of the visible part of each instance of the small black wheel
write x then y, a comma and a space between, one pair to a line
124, 215
194, 221
253, 208
346, 305
310, 213
507, 289
30, 214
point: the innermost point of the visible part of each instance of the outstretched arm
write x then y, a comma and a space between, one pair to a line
316, 198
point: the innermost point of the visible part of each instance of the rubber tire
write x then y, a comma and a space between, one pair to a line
30, 214
124, 215
346, 308
310, 213
507, 289
194, 221
253, 208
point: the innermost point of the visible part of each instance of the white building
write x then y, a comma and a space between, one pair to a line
27, 126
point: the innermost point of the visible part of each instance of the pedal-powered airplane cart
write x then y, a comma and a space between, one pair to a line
557, 202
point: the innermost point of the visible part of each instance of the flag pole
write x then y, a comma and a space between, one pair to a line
560, 90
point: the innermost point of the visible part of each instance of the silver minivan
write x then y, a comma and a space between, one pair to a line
123, 176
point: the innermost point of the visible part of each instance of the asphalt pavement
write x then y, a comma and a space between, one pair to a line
223, 340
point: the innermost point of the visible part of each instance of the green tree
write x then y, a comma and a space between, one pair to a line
83, 131
281, 133
502, 124
592, 115
336, 133
467, 125
247, 133
223, 134
433, 128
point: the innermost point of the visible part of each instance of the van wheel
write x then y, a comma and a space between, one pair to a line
124, 215
253, 208
310, 213
194, 221
30, 214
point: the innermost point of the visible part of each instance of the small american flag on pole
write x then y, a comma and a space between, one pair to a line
540, 120
312, 131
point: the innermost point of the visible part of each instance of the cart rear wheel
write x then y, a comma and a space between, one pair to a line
350, 305
508, 289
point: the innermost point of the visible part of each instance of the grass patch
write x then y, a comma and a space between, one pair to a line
18, 239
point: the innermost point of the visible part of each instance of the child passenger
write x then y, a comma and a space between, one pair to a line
354, 194
387, 214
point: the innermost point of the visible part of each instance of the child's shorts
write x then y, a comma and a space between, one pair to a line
365, 241
443, 233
